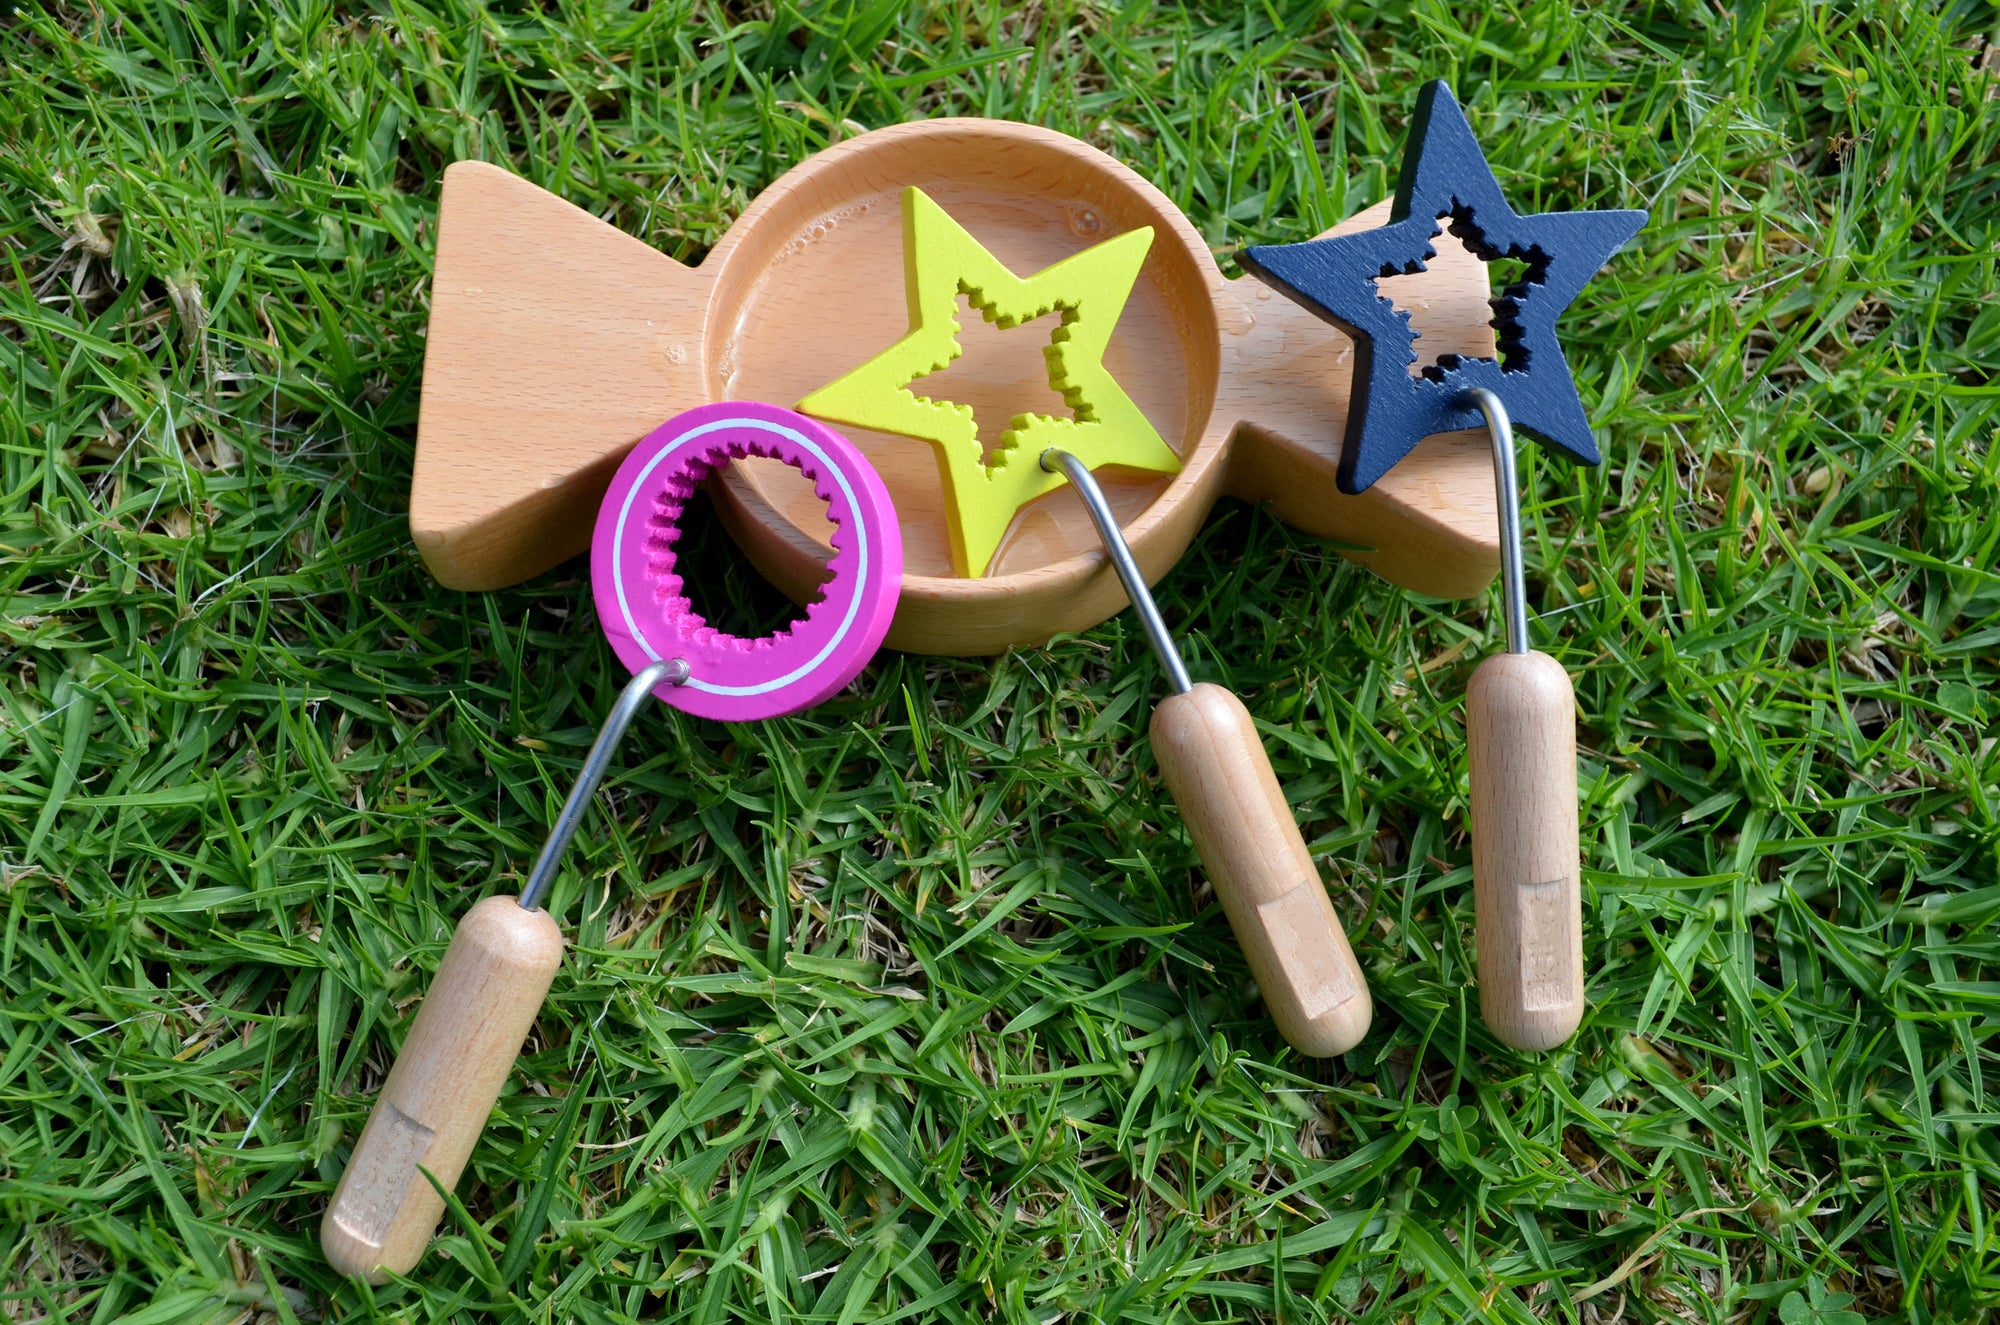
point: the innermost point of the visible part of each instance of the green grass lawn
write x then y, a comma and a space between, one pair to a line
916, 1006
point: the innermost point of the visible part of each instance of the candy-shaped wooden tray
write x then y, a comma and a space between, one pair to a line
557, 341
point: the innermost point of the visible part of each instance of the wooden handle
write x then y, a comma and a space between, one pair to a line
455, 1059
1256, 859
1526, 875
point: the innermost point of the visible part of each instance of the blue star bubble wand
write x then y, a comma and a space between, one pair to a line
1520, 706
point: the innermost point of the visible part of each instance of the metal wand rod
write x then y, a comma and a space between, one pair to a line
1080, 478
630, 701
1506, 483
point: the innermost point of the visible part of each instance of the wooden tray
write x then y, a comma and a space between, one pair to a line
556, 341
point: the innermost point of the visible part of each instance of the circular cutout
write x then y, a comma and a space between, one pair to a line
646, 614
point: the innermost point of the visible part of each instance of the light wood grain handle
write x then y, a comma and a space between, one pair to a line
455, 1059
1236, 813
1526, 872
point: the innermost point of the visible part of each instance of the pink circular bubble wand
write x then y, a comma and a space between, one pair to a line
640, 599
503, 958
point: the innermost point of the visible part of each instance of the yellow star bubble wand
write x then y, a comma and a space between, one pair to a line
942, 261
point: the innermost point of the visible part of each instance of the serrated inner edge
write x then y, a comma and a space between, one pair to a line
998, 456
1510, 331
664, 523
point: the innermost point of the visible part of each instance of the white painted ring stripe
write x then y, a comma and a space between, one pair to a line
861, 545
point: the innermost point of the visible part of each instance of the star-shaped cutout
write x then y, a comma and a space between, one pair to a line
940, 262
1445, 181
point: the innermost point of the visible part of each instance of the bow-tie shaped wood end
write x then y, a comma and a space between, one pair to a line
556, 342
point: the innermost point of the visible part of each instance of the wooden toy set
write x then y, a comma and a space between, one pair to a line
984, 516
